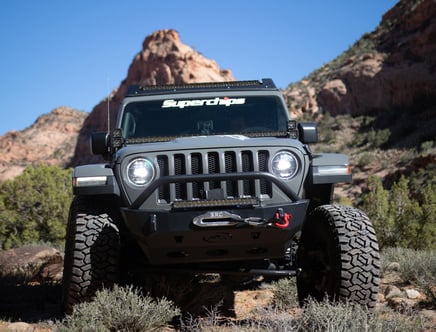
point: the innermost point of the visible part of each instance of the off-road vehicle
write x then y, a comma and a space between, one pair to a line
216, 178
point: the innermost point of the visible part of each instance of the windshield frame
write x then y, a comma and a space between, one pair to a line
229, 102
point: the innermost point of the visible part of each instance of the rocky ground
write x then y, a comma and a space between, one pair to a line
30, 288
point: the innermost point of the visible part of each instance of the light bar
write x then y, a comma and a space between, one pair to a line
216, 203
266, 83
89, 181
200, 85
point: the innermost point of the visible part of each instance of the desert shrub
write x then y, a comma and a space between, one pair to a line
401, 220
377, 138
342, 200
121, 309
426, 146
365, 159
320, 316
285, 293
407, 156
326, 129
34, 206
328, 316
414, 266
272, 319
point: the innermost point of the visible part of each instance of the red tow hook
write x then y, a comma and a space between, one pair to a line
282, 219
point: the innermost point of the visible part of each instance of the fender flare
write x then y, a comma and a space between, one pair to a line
94, 179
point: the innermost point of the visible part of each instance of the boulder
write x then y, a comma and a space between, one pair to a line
31, 264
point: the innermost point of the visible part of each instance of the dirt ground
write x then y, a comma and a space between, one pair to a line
30, 303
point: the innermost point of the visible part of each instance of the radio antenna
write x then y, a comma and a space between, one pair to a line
108, 108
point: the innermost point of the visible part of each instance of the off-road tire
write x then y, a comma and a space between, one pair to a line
339, 257
92, 250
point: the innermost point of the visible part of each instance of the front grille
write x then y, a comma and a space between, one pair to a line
213, 162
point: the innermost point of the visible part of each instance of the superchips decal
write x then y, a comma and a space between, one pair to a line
226, 101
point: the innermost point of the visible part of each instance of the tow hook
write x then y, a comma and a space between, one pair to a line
281, 219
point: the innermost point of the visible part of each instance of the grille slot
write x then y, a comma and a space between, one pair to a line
230, 167
197, 168
247, 166
180, 169
213, 162
164, 191
265, 187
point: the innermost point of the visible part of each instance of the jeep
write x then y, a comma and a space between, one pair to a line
216, 178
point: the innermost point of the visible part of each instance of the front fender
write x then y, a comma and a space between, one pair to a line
94, 179
329, 168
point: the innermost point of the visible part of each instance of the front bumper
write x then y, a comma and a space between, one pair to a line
201, 236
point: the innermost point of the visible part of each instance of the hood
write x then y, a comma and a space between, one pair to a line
209, 142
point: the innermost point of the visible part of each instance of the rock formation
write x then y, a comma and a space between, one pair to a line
51, 140
392, 67
30, 264
164, 59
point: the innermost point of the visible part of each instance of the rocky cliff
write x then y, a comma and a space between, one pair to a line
50, 140
391, 67
164, 59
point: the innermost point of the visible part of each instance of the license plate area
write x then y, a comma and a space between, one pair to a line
217, 219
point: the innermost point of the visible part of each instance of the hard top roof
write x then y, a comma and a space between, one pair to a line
138, 90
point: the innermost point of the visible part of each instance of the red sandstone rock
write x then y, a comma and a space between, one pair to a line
51, 140
397, 72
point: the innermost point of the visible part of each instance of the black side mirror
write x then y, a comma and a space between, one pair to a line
308, 132
100, 143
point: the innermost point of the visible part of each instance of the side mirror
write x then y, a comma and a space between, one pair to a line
308, 132
100, 143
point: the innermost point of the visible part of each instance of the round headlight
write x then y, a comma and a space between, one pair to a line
284, 165
140, 172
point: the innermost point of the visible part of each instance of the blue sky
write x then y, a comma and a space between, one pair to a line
73, 52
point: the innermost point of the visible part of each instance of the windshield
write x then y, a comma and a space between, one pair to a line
251, 116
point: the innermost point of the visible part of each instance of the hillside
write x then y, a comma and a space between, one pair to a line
50, 140
377, 100
390, 68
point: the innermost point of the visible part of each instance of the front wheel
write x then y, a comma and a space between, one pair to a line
92, 250
338, 256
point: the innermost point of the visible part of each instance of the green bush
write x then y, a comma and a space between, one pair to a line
376, 138
365, 159
285, 293
121, 309
326, 129
400, 219
34, 206
426, 146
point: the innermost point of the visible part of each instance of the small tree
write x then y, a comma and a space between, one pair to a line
34, 206
376, 206
399, 219
427, 221
406, 213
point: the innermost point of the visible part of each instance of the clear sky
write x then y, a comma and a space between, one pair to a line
73, 52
